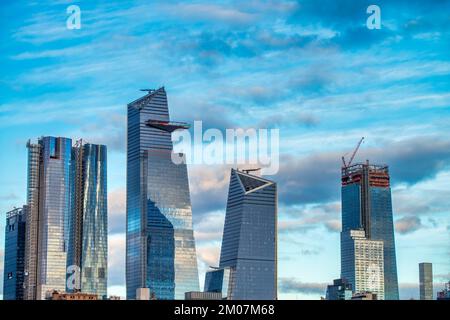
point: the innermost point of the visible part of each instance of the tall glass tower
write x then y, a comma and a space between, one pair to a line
160, 250
13, 271
88, 224
49, 193
249, 244
66, 217
366, 205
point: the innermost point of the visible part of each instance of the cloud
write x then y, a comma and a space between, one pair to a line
333, 225
289, 119
209, 227
109, 130
407, 225
117, 211
10, 196
292, 285
410, 290
209, 188
303, 218
316, 178
116, 259
298, 182
309, 252
120, 291
442, 277
209, 255
209, 13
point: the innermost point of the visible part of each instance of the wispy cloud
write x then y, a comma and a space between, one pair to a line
292, 285
408, 224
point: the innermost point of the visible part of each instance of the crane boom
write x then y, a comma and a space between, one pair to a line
345, 164
354, 152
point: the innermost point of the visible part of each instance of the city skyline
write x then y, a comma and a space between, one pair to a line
319, 76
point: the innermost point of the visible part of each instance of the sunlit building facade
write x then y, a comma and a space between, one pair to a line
160, 249
88, 224
66, 218
367, 205
362, 262
49, 194
249, 244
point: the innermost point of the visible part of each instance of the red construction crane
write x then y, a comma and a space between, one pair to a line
346, 165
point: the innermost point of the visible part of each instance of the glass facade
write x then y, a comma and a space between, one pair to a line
54, 212
249, 244
218, 280
88, 247
14, 259
161, 251
366, 204
340, 290
66, 215
32, 218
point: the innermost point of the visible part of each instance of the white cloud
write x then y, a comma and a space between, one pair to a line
116, 260
209, 12
117, 210
210, 227
120, 291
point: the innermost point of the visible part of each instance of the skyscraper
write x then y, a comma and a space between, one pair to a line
366, 204
160, 253
362, 262
249, 244
88, 240
14, 261
66, 216
49, 187
426, 281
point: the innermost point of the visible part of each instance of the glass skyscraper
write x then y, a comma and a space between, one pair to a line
160, 253
88, 224
249, 244
58, 186
14, 260
366, 205
49, 187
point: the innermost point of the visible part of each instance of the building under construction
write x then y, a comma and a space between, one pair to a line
367, 205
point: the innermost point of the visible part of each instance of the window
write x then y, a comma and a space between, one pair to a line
88, 272
101, 273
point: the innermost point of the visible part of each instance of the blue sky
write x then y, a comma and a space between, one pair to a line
311, 69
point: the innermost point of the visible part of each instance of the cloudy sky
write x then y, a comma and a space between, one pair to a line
311, 69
